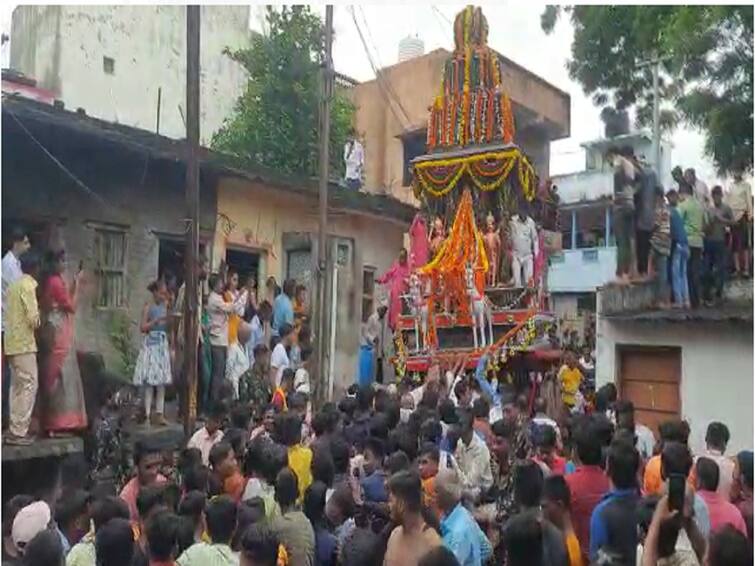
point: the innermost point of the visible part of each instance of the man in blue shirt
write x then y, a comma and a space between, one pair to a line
613, 525
461, 533
283, 308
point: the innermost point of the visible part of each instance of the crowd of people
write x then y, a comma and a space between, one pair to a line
688, 239
41, 377
453, 471
247, 343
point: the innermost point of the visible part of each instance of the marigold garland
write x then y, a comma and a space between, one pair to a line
480, 168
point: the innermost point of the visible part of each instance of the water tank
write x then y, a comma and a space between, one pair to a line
616, 122
409, 48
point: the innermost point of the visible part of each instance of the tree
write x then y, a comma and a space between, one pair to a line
706, 80
275, 121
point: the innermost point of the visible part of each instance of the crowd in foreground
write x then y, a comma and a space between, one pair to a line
452, 472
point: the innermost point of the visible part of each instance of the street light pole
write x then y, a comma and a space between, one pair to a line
322, 239
655, 63
191, 308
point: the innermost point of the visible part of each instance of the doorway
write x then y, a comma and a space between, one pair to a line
246, 263
650, 377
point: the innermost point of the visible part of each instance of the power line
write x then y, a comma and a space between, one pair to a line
57, 162
378, 76
392, 92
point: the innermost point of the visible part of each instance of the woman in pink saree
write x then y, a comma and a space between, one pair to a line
419, 250
63, 393
396, 277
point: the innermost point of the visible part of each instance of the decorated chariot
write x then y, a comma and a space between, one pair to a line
474, 291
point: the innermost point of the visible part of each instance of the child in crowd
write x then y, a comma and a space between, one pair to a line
373, 483
226, 469
280, 396
660, 249
210, 434
288, 433
429, 465
547, 454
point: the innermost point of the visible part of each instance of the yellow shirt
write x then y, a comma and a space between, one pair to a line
570, 380
300, 461
572, 549
739, 198
21, 317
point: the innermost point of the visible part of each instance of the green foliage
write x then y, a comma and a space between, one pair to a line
276, 121
120, 333
707, 75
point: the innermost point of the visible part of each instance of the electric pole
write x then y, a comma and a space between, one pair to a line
191, 308
655, 63
319, 383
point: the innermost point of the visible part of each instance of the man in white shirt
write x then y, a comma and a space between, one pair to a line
11, 273
279, 359
523, 234
209, 435
699, 188
473, 458
219, 311
644, 437
739, 198
12, 264
353, 157
716, 440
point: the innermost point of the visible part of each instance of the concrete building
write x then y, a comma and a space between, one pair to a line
115, 200
588, 256
270, 224
697, 365
127, 64
392, 111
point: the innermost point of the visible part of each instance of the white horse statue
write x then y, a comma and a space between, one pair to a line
479, 309
419, 310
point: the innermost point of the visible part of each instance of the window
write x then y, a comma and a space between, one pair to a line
299, 266
368, 292
108, 65
414, 146
110, 255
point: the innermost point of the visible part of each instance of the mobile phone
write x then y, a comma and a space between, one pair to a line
676, 484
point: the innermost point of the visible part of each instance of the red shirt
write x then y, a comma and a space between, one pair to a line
722, 513
588, 485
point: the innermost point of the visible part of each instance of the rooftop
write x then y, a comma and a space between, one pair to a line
43, 119
636, 303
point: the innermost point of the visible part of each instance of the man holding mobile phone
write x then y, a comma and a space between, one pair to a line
676, 463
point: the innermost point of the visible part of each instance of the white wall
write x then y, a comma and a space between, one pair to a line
63, 48
717, 371
582, 270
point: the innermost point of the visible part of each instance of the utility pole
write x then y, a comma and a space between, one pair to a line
321, 343
191, 308
655, 63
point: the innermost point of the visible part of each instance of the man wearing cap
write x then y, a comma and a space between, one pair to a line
31, 520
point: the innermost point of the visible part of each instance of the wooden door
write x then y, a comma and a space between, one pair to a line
650, 378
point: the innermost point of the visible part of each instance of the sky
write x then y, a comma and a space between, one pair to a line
514, 32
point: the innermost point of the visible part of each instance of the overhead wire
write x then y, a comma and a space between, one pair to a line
57, 162
385, 79
378, 74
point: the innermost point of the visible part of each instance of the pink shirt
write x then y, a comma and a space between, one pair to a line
721, 512
204, 443
130, 492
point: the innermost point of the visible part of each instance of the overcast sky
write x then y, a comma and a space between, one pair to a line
514, 31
